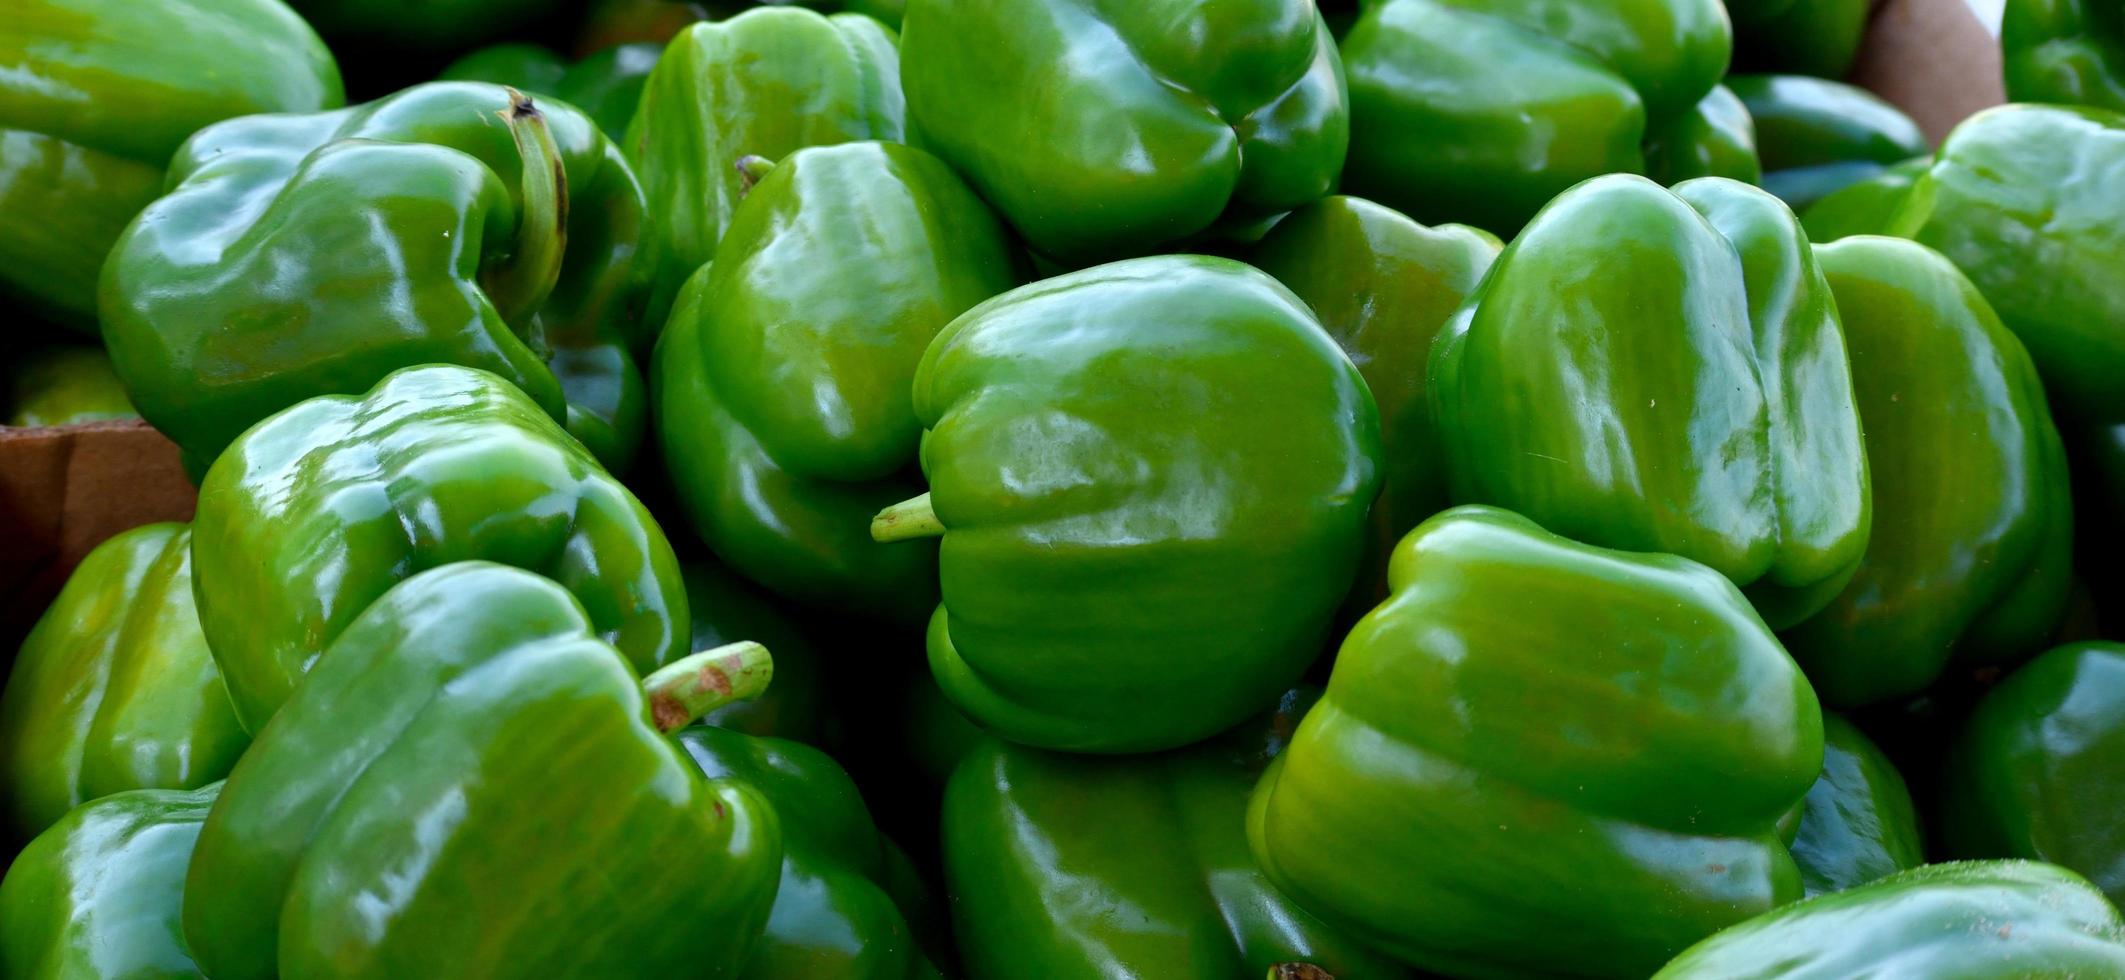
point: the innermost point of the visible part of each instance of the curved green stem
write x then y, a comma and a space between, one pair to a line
752, 169
1298, 971
692, 686
910, 518
520, 283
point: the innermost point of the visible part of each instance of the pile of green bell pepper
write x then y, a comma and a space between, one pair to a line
1062, 489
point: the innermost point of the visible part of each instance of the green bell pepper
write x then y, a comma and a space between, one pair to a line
1151, 478
1979, 920
1816, 136
114, 689
607, 85
1715, 138
1103, 129
1041, 849
765, 83
320, 509
66, 386
2029, 201
1866, 206
302, 255
726, 609
835, 916
1948, 400
783, 377
1806, 37
1482, 110
1663, 371
1539, 756
473, 783
2064, 51
97, 95
1383, 285
2039, 768
1858, 822
526, 67
96, 896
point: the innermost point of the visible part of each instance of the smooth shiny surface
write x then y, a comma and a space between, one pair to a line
96, 896
114, 689
606, 85
312, 254
1971, 560
1383, 285
1663, 371
835, 917
765, 83
1816, 136
1975, 921
2039, 769
1538, 738
64, 385
94, 97
1715, 138
1865, 206
470, 785
1481, 111
1858, 822
1154, 476
2066, 51
319, 510
1073, 868
1108, 128
784, 378
2029, 201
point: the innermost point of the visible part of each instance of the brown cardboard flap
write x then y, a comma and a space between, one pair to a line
1933, 59
63, 491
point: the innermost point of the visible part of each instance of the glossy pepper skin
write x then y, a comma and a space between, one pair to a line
470, 784
2064, 51
1968, 921
312, 254
1383, 285
1858, 822
784, 376
97, 95
97, 894
114, 689
1103, 129
2029, 201
724, 608
322, 508
1816, 136
1804, 37
835, 916
2039, 768
65, 385
1151, 478
1663, 371
765, 83
1481, 111
1715, 138
1042, 848
607, 85
1627, 717
1863, 207
1948, 399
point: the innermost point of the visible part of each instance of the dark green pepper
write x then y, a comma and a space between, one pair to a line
1383, 285
114, 689
1863, 207
2066, 51
835, 916
1858, 822
1715, 138
472, 783
97, 95
1103, 129
1482, 110
66, 386
1816, 136
783, 378
1663, 371
765, 83
301, 255
726, 609
1974, 921
2039, 769
97, 895
322, 508
606, 85
1539, 756
1043, 851
1948, 400
1151, 478
1807, 37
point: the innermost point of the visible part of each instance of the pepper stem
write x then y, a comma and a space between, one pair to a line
1298, 971
910, 518
752, 169
692, 686
519, 284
